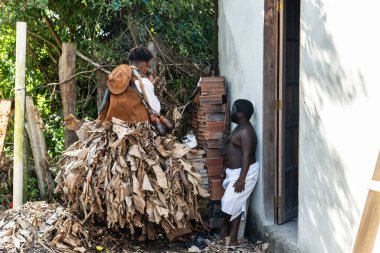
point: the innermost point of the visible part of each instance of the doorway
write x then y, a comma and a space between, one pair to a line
288, 110
281, 110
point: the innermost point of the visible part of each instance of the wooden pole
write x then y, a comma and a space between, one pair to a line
34, 128
100, 86
5, 114
370, 221
68, 89
18, 166
26, 170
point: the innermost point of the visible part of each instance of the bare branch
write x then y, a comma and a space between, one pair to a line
44, 40
52, 31
93, 63
77, 74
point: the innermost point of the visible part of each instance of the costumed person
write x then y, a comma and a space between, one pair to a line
122, 100
242, 170
140, 58
122, 171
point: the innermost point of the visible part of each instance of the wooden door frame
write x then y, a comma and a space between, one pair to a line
270, 79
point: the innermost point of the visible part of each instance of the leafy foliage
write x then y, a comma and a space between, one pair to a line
181, 31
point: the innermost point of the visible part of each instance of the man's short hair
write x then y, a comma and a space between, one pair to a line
140, 54
244, 106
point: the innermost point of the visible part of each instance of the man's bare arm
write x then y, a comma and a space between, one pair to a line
246, 146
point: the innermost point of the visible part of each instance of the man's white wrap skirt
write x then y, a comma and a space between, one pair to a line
234, 203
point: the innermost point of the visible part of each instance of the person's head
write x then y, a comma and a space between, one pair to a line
241, 108
140, 57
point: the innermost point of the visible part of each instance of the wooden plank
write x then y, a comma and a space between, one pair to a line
5, 114
196, 151
370, 221
177, 232
280, 116
34, 127
269, 133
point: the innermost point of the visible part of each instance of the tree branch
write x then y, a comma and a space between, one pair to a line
77, 74
97, 65
52, 31
44, 40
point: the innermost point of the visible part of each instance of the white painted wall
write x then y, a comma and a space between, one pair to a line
241, 24
339, 119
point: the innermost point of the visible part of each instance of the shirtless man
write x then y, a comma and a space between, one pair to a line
242, 169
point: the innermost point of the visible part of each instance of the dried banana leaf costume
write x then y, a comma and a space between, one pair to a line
122, 173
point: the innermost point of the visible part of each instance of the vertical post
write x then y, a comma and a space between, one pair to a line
100, 86
34, 127
270, 80
215, 46
26, 170
368, 237
18, 166
5, 114
68, 93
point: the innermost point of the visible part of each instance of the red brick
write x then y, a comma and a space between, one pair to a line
205, 91
216, 189
213, 153
212, 162
213, 108
212, 99
215, 171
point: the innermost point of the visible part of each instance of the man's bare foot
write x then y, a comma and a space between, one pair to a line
223, 233
226, 241
233, 242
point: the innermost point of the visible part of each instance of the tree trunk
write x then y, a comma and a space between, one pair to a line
68, 89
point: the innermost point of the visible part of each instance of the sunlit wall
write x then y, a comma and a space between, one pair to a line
339, 119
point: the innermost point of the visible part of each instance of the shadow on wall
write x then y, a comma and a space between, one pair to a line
328, 211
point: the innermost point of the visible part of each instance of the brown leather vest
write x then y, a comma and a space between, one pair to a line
126, 106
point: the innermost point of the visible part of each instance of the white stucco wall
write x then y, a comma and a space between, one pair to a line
241, 62
339, 119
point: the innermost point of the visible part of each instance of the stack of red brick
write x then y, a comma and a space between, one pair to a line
210, 123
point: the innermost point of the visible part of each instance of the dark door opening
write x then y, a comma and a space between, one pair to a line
288, 110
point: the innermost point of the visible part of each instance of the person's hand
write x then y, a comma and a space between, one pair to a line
153, 79
239, 185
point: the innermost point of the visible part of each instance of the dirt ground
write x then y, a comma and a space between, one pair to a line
201, 242
108, 241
